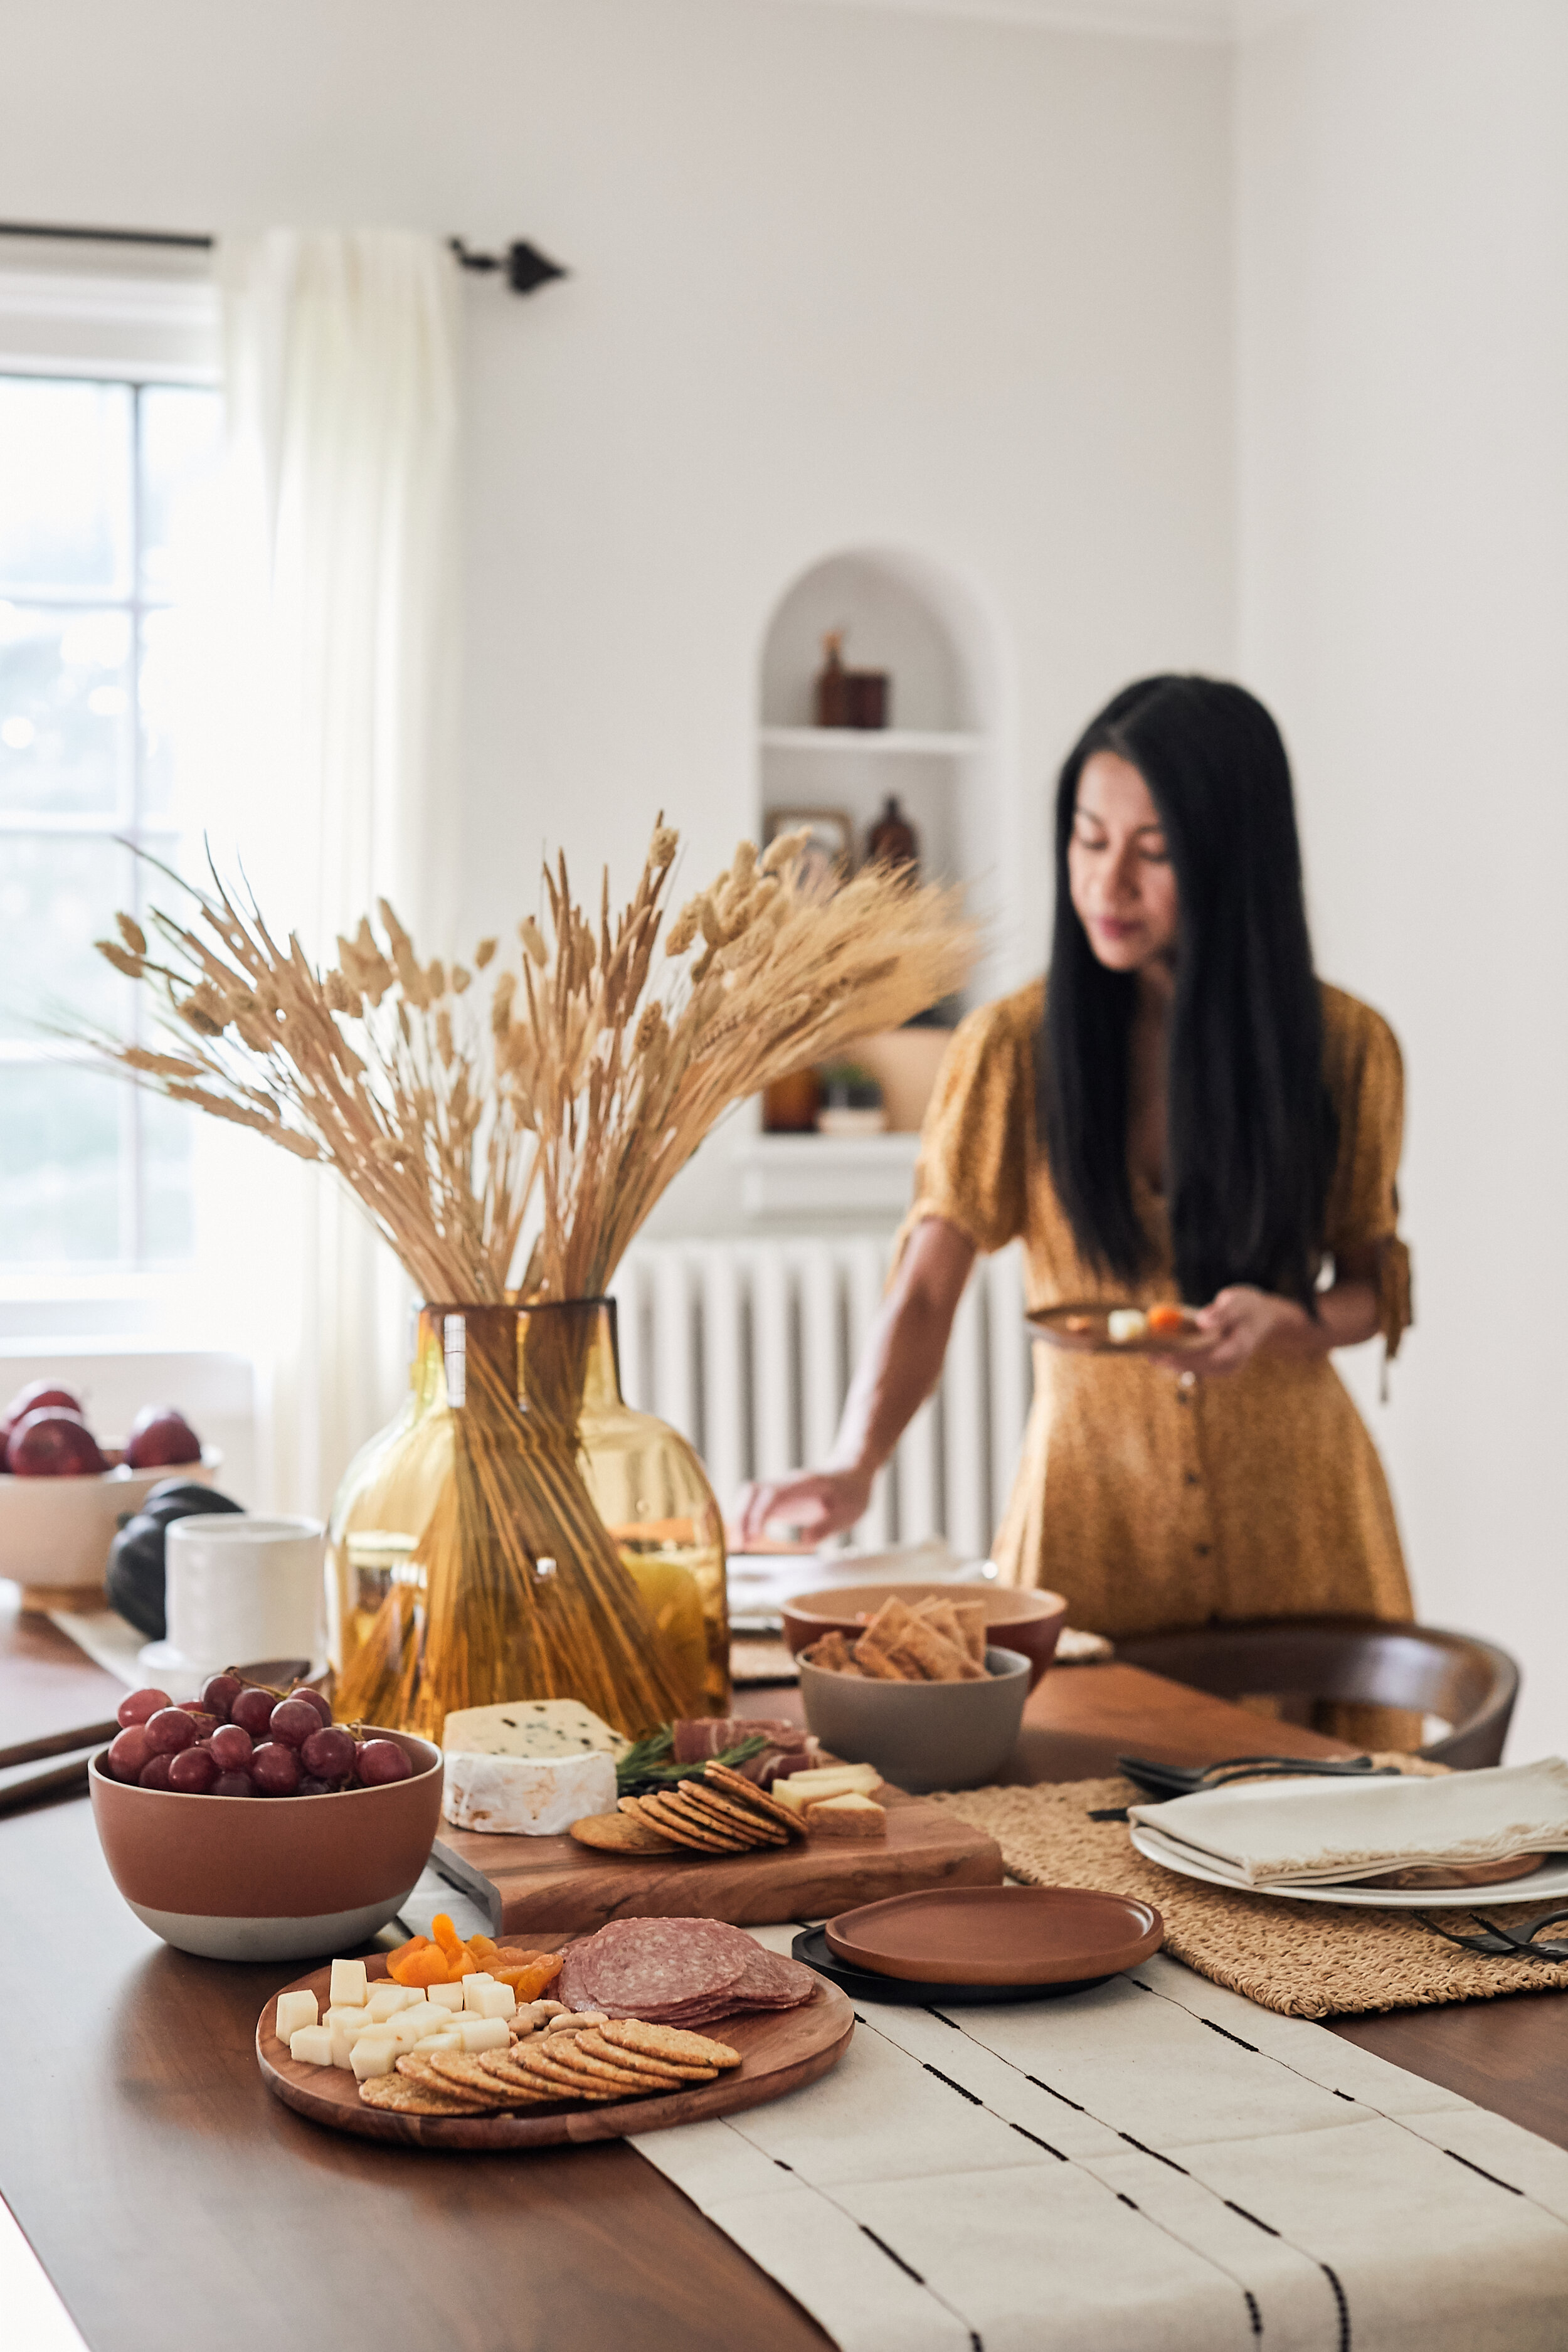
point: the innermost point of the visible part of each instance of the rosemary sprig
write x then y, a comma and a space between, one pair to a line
642, 1767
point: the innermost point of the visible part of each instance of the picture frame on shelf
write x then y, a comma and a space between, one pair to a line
828, 857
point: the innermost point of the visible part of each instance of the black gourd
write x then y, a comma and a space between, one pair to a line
135, 1573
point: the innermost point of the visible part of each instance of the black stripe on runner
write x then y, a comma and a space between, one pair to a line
1228, 2037
1154, 2152
1233, 2206
1484, 2173
1057, 2094
1039, 2142
943, 2019
1122, 2197
974, 2100
883, 2247
1344, 2309
1252, 2311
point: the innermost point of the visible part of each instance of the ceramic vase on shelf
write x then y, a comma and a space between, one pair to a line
519, 1532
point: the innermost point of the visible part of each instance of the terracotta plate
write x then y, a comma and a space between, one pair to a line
810, 1947
997, 1936
1083, 1328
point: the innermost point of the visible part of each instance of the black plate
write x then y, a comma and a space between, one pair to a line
811, 1946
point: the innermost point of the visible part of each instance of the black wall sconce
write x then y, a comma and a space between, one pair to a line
526, 268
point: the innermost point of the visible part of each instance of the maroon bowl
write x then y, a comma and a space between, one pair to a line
1017, 1616
269, 1878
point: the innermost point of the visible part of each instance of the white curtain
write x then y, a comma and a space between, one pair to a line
342, 370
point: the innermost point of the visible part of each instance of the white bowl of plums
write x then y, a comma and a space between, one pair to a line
249, 1826
63, 1491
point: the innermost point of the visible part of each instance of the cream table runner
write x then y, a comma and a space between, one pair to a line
1157, 2165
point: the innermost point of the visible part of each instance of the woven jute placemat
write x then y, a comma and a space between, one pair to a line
1306, 1960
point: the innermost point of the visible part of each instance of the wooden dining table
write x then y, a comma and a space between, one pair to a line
169, 2198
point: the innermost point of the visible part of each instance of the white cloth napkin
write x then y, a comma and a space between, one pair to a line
1309, 1832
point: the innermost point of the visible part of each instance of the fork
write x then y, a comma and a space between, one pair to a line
1506, 1942
1161, 1782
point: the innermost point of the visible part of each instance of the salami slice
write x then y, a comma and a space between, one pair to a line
773, 1980
648, 1968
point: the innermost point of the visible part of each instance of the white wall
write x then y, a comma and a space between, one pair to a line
1402, 423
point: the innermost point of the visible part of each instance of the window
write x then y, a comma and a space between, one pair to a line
105, 490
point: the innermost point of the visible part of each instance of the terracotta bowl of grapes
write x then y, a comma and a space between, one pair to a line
248, 1826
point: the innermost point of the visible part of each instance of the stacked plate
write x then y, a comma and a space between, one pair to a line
958, 1944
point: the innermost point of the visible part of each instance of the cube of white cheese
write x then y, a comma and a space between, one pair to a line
295, 2010
343, 2040
445, 1996
1124, 1323
312, 2045
445, 2037
374, 2054
488, 1999
349, 1988
484, 2033
409, 2024
384, 2000
527, 1796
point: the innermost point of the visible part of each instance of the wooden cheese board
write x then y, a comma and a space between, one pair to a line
527, 1884
779, 2050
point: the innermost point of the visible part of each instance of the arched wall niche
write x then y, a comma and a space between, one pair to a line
942, 756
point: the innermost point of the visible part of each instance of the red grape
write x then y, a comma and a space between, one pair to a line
252, 1709
233, 1784
137, 1706
312, 1698
219, 1693
275, 1769
382, 1760
130, 1753
329, 1754
159, 1437
205, 1722
310, 1787
231, 1749
170, 1730
193, 1771
154, 1774
293, 1722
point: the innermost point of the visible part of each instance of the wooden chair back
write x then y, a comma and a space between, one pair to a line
1471, 1684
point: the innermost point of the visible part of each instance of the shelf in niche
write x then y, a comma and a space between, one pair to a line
886, 741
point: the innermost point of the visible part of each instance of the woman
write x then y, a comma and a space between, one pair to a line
1184, 1112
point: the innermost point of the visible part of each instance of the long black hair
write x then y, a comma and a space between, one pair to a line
1250, 1128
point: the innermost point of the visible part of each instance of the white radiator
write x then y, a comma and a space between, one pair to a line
747, 1348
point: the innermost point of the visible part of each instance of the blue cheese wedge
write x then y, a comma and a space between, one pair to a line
529, 1768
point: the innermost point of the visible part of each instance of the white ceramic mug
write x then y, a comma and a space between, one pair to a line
241, 1588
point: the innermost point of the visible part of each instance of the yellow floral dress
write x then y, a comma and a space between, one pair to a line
1151, 1499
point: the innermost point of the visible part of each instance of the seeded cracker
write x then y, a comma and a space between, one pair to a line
406, 2098
656, 2070
746, 1792
668, 2041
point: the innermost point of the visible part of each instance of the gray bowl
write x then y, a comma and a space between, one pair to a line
921, 1735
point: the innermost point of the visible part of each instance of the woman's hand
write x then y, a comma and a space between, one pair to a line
807, 1509
1241, 1323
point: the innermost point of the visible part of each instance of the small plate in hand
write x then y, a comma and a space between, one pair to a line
1083, 1328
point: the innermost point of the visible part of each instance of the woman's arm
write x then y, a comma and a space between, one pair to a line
900, 1368
1244, 1322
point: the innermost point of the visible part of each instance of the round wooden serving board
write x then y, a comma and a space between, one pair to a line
779, 2050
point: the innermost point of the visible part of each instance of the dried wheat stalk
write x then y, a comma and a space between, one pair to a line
592, 1068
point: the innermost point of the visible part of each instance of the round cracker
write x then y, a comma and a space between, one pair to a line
731, 1814
565, 2080
414, 2098
619, 1833
668, 2041
680, 1825
746, 1792
637, 2062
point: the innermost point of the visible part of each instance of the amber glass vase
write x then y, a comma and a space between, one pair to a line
518, 1532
